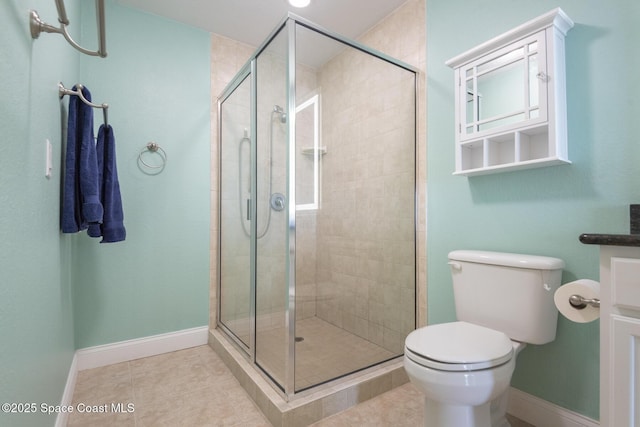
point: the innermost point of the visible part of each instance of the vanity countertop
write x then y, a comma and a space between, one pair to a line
610, 239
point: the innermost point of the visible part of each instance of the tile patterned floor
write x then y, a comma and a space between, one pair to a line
193, 388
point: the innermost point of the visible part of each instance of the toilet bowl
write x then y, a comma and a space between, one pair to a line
464, 371
464, 368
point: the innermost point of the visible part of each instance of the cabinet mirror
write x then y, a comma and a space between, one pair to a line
503, 89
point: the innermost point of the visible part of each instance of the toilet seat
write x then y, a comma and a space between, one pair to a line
458, 346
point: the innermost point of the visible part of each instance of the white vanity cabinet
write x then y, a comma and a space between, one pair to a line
620, 336
511, 99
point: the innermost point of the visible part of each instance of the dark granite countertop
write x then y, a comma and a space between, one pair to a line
610, 239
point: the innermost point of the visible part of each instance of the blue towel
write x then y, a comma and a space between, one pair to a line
80, 198
112, 227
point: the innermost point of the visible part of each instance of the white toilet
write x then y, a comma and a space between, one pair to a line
464, 368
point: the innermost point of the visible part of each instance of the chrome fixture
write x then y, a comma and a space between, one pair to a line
283, 116
37, 26
278, 202
579, 302
153, 147
62, 91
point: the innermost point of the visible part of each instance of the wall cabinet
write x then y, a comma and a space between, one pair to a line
511, 99
620, 336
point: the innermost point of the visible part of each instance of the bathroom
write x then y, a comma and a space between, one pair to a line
64, 293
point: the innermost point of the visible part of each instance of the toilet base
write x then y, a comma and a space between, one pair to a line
491, 414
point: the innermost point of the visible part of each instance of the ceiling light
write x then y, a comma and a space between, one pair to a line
299, 3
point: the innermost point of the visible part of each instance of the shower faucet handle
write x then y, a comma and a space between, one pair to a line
277, 202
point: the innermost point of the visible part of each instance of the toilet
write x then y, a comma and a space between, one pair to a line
503, 301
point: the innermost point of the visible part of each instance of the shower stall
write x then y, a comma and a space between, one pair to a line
317, 207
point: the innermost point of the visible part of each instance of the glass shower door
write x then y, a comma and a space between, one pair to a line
235, 224
272, 202
355, 209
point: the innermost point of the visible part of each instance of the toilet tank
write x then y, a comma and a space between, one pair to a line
512, 293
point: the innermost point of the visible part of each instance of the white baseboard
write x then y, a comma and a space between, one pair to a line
124, 351
541, 413
67, 395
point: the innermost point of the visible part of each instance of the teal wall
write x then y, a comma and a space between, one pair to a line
63, 292
36, 325
156, 82
541, 211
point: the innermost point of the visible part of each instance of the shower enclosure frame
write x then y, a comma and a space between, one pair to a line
249, 70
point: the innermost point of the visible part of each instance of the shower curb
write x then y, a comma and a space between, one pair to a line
311, 406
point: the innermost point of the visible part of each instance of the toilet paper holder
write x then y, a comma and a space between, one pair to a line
579, 302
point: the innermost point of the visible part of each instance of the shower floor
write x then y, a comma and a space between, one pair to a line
325, 353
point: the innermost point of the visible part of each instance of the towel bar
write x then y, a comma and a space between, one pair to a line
37, 26
62, 91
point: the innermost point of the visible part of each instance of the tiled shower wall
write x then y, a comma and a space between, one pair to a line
401, 35
306, 220
366, 251
365, 273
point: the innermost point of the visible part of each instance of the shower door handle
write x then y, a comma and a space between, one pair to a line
248, 209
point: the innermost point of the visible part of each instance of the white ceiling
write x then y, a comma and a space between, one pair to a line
251, 21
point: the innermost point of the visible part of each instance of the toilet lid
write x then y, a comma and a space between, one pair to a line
459, 346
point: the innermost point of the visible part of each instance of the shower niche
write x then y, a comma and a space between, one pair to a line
317, 208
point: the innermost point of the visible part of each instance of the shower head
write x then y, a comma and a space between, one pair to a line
283, 116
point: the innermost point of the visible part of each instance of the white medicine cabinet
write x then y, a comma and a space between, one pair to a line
511, 99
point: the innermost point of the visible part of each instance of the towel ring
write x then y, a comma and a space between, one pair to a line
154, 148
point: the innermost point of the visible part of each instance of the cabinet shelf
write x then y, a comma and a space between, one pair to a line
528, 164
513, 150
